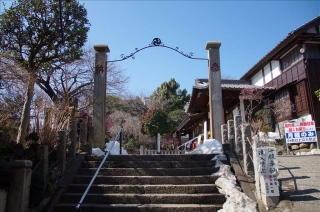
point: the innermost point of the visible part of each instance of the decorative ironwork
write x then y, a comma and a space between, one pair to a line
215, 67
156, 42
98, 69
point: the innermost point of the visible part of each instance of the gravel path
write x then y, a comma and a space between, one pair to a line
299, 177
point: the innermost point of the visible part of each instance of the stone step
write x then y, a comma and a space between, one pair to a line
87, 207
145, 198
145, 189
148, 164
191, 157
141, 180
149, 171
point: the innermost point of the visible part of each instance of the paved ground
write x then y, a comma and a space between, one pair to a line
299, 178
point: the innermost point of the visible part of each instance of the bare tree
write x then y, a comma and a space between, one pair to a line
254, 98
131, 125
281, 108
75, 80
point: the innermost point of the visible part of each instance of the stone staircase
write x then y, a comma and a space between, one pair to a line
145, 183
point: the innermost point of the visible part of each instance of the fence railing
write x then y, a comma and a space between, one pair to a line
97, 172
164, 152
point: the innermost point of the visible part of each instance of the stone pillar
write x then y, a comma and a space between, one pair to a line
43, 159
83, 133
215, 95
90, 130
47, 117
247, 149
205, 133
158, 143
19, 189
61, 150
238, 137
73, 136
270, 202
231, 134
141, 150
99, 96
224, 131
242, 110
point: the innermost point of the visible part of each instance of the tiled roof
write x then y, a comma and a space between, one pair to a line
229, 84
287, 39
242, 86
303, 25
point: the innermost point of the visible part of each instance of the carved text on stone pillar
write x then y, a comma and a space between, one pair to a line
99, 69
215, 67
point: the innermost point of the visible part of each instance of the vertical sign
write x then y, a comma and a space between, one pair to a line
271, 184
267, 161
268, 167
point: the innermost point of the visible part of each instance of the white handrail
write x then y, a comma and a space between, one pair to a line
97, 172
187, 142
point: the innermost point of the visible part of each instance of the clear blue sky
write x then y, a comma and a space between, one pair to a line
247, 30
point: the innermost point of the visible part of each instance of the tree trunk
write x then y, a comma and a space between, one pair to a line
25, 116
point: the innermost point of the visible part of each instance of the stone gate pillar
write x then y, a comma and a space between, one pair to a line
99, 95
19, 189
215, 94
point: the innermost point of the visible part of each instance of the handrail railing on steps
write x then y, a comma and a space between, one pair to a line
101, 164
186, 143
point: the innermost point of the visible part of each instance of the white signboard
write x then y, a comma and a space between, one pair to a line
267, 161
300, 132
271, 183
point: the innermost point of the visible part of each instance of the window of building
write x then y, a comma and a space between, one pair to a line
282, 95
282, 105
290, 58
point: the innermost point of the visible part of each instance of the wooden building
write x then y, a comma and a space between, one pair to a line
291, 70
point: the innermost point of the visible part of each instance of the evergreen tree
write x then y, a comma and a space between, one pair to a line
169, 97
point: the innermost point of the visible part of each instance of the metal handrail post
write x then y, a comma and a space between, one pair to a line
97, 172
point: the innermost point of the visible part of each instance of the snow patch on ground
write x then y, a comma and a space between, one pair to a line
237, 201
116, 149
210, 146
312, 152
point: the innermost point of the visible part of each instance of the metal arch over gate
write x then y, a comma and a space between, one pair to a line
156, 42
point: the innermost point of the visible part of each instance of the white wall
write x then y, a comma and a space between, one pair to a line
257, 79
275, 68
267, 74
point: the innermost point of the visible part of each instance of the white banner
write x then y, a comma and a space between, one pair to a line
300, 132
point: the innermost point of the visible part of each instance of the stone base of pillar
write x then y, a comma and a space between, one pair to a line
87, 148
